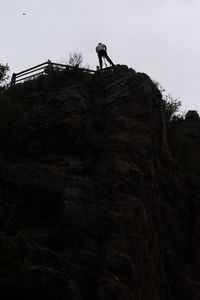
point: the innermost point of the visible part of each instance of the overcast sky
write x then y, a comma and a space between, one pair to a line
158, 37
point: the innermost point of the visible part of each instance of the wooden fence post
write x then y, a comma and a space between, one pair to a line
13, 79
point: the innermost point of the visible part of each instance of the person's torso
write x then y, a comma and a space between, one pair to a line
100, 47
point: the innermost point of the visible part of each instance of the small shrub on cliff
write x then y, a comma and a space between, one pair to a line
3, 76
75, 59
171, 106
3, 72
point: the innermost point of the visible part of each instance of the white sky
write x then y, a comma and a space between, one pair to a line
158, 37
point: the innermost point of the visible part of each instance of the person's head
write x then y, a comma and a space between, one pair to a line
100, 44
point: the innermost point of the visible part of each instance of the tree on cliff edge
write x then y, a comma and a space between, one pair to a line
171, 106
75, 59
3, 73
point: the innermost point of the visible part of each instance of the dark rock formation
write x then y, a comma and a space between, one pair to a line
185, 144
99, 198
192, 115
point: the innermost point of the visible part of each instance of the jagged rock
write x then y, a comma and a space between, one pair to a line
98, 197
192, 115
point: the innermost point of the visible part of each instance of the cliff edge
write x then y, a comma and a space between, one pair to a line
99, 196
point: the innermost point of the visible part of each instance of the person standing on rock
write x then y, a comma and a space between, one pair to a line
101, 50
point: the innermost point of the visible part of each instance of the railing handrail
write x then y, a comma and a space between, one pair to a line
32, 68
31, 76
20, 76
28, 72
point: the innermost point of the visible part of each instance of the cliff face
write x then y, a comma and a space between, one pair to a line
185, 144
99, 198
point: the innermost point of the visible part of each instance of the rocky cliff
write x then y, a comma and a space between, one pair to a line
99, 196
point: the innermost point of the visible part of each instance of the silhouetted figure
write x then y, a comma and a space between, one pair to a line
101, 50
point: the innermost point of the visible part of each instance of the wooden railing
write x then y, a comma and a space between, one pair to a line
43, 69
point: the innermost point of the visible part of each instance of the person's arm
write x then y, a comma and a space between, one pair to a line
105, 48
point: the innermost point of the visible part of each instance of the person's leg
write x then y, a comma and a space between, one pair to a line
108, 59
100, 61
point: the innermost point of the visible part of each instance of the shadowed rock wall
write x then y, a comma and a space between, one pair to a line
93, 205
